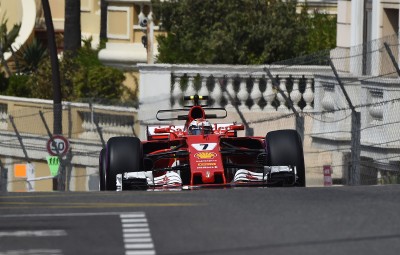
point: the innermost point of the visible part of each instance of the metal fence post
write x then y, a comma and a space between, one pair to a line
299, 118
59, 182
355, 133
355, 175
3, 177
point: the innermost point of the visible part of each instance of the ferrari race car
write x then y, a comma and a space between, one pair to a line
199, 154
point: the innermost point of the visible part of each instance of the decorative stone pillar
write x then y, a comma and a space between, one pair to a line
308, 96
217, 93
177, 93
295, 95
243, 94
282, 102
256, 94
269, 96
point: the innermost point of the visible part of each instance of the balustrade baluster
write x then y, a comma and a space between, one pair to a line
269, 96
308, 96
243, 94
256, 95
141, 15
190, 91
295, 95
203, 90
177, 93
230, 92
217, 93
282, 102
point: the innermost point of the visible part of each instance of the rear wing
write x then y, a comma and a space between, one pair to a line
183, 114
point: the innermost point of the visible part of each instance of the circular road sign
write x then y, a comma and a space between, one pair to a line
60, 143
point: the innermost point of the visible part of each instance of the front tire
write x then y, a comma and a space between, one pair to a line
284, 148
124, 154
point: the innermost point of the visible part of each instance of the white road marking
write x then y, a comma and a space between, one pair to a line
136, 233
33, 252
33, 233
141, 252
135, 230
128, 235
136, 225
133, 220
138, 214
133, 215
139, 246
137, 240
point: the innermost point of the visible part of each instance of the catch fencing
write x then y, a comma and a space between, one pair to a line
345, 103
26, 127
355, 118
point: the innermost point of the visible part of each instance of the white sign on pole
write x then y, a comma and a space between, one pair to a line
30, 176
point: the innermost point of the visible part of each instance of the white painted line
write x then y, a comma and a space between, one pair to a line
32, 252
138, 214
139, 246
133, 220
132, 215
136, 233
141, 252
136, 230
34, 233
129, 235
135, 225
137, 240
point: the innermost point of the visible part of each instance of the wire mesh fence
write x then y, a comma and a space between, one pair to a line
26, 128
366, 82
363, 80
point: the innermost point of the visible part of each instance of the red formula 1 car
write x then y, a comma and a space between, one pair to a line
201, 154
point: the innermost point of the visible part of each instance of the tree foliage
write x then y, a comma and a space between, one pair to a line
7, 38
82, 76
30, 56
234, 32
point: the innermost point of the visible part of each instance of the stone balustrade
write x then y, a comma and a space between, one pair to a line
110, 125
249, 88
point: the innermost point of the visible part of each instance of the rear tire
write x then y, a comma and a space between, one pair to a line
284, 148
102, 169
124, 154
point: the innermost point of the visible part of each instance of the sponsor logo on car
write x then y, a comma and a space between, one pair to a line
207, 164
205, 155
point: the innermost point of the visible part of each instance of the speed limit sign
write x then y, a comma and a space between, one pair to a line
60, 143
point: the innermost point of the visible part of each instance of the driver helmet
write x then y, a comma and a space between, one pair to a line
197, 127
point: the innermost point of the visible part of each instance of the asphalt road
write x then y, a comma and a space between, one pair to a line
336, 220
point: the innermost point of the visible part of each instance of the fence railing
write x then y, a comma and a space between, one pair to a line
24, 139
250, 96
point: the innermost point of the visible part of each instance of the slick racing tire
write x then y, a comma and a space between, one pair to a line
124, 154
102, 170
284, 148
